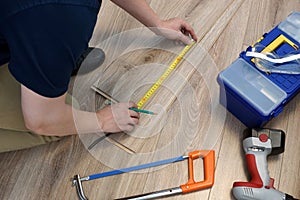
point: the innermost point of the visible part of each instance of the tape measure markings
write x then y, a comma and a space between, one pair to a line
158, 83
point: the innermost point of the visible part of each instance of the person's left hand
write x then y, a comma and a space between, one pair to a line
176, 29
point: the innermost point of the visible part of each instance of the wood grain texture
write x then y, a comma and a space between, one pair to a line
188, 119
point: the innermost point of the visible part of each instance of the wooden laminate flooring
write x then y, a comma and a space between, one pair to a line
189, 115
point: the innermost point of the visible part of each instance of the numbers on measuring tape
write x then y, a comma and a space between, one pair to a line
158, 83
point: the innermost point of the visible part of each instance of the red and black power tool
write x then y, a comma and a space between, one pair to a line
258, 144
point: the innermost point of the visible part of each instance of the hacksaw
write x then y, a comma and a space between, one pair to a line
208, 157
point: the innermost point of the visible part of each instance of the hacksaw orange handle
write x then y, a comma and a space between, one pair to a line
208, 157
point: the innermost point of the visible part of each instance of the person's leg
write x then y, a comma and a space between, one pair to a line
89, 60
13, 133
61, 41
16, 140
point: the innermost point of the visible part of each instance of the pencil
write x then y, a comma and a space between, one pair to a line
143, 111
107, 96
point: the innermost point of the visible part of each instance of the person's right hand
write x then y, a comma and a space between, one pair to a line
118, 117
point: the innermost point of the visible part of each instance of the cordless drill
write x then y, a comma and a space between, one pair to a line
258, 144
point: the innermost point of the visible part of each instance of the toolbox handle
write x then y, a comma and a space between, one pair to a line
208, 157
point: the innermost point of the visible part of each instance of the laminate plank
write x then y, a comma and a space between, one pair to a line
225, 50
185, 72
289, 181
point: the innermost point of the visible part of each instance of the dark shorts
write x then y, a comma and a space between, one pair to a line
42, 39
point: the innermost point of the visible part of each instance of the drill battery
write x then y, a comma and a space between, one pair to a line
254, 95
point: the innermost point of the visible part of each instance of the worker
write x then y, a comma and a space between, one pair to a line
42, 40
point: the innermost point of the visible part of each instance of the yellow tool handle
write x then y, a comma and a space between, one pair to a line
158, 83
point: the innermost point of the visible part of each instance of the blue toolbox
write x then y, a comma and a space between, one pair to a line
256, 89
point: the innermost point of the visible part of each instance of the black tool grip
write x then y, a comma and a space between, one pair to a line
289, 197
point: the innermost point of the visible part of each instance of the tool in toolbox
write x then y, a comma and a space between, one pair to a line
266, 76
258, 144
208, 157
275, 60
271, 63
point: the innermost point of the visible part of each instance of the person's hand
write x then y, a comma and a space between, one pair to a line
176, 29
118, 117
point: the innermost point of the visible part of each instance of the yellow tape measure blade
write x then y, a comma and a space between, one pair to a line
164, 76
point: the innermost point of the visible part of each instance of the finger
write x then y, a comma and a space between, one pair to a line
135, 121
132, 122
134, 114
129, 128
188, 30
132, 105
194, 36
183, 38
191, 34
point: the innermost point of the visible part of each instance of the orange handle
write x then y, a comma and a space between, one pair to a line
209, 171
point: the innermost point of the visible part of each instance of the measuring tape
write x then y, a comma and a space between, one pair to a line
158, 83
